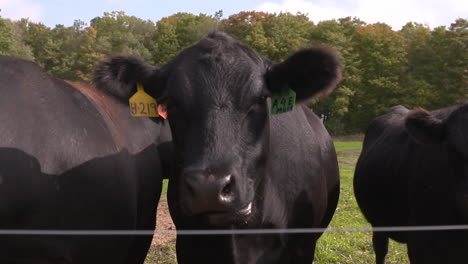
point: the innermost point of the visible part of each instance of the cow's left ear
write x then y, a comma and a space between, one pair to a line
424, 127
310, 73
118, 75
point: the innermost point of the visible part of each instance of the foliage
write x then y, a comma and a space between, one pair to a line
334, 109
382, 54
190, 28
274, 35
415, 66
12, 40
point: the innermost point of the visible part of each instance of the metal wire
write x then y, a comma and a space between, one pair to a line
4, 232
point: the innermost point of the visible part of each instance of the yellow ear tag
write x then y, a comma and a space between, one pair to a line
142, 104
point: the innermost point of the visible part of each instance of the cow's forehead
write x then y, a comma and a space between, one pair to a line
222, 72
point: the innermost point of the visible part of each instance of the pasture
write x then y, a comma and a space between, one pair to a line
336, 248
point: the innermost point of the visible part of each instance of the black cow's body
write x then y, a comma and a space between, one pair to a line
237, 166
73, 158
413, 171
299, 190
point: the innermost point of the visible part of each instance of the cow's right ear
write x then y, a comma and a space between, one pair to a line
311, 73
425, 127
118, 75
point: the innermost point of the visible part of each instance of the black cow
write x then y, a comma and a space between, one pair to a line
72, 157
413, 171
237, 166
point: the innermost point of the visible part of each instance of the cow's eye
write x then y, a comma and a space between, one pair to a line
261, 100
258, 104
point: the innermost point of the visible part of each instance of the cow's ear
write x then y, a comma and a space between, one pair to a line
118, 75
310, 73
424, 127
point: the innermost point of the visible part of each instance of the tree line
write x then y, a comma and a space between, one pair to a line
415, 66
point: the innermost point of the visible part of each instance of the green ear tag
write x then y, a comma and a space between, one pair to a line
142, 104
282, 103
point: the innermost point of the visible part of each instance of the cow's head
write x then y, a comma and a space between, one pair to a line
451, 130
217, 96
427, 128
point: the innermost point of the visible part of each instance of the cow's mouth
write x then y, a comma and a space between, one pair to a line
231, 217
246, 211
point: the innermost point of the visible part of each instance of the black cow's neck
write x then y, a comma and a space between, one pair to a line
257, 248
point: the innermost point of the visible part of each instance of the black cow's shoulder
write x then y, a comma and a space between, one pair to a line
72, 157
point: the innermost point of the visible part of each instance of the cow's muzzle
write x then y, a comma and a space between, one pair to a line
209, 193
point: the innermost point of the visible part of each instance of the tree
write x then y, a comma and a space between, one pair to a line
382, 55
239, 25
452, 47
166, 41
5, 37
459, 33
257, 39
88, 55
274, 35
116, 32
421, 61
63, 47
12, 40
335, 108
190, 28
38, 37
415, 66
287, 34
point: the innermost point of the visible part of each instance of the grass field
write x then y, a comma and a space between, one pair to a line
351, 247
336, 248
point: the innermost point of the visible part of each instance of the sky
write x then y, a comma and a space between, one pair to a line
395, 13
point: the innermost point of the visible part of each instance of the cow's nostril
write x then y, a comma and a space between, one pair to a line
208, 192
228, 189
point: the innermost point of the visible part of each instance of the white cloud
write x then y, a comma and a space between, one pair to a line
395, 13
17, 9
322, 10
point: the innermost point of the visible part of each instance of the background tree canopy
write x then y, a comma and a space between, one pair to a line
415, 66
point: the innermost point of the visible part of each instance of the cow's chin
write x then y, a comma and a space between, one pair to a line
228, 219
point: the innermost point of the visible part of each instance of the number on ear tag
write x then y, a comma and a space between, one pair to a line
142, 104
282, 103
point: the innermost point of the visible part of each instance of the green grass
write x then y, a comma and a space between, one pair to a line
164, 187
332, 248
351, 147
164, 254
351, 247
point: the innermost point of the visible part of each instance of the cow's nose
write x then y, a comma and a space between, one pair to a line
209, 192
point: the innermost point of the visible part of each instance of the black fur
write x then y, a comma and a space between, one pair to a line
71, 158
118, 75
318, 66
238, 166
424, 127
413, 171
